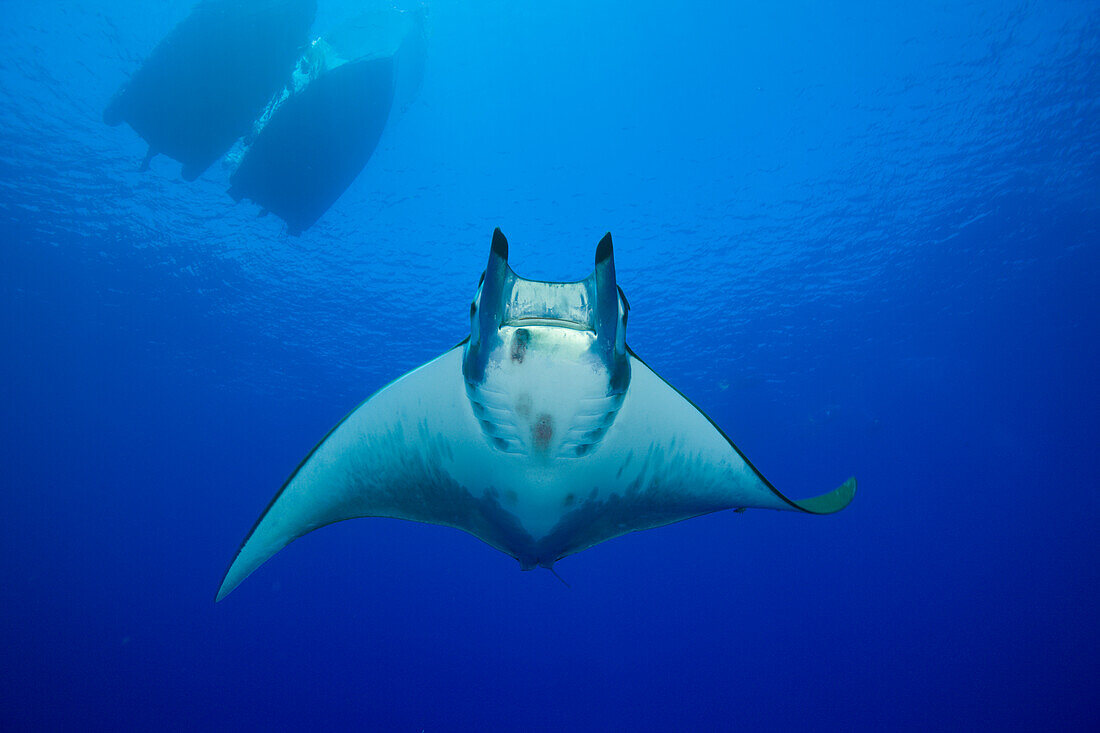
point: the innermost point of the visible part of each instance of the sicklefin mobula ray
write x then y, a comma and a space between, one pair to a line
542, 434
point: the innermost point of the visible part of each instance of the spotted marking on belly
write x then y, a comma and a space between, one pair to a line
542, 432
520, 339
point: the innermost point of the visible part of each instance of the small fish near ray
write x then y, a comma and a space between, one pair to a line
541, 434
208, 79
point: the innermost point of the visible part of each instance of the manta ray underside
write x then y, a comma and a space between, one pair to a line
541, 434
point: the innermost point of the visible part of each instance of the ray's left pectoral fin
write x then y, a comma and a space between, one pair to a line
382, 460
700, 459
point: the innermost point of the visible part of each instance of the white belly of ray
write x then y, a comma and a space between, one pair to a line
542, 407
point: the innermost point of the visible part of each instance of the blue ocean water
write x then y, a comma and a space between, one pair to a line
864, 239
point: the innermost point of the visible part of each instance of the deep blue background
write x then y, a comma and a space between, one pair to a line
864, 240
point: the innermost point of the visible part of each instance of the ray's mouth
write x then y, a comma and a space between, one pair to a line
548, 321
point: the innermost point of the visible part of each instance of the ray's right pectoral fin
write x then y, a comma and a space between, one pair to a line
382, 460
659, 415
827, 503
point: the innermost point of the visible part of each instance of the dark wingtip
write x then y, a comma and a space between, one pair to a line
603, 249
834, 501
500, 244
